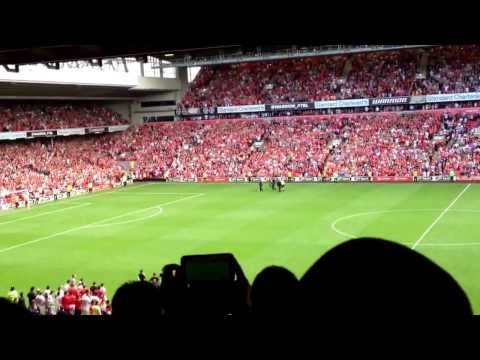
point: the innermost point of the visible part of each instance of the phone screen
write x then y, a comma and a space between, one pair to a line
207, 269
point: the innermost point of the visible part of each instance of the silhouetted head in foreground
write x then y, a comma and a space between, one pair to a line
274, 292
381, 279
137, 299
9, 310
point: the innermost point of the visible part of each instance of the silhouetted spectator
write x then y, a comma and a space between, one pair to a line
155, 280
10, 310
31, 298
21, 301
141, 276
13, 295
172, 287
374, 278
275, 293
137, 299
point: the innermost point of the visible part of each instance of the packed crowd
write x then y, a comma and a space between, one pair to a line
363, 75
21, 117
386, 145
376, 144
379, 144
450, 70
74, 297
48, 168
459, 149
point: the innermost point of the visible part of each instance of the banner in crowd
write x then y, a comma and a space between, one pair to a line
339, 179
102, 187
291, 106
68, 132
209, 111
452, 97
41, 133
362, 178
343, 179
214, 179
349, 179
183, 180
116, 128
392, 179
332, 104
389, 101
421, 99
187, 112
433, 178
240, 109
96, 130
468, 178
13, 135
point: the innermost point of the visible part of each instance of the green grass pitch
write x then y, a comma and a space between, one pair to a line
107, 237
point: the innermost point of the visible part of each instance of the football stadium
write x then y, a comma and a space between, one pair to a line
236, 181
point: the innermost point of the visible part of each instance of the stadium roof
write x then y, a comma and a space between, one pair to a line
19, 90
29, 53
180, 53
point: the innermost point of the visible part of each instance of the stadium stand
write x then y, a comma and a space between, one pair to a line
378, 144
49, 168
374, 74
450, 70
36, 117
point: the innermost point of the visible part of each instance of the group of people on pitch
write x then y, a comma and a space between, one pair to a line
275, 182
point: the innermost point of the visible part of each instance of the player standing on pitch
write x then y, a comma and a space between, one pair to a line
281, 184
260, 184
69, 190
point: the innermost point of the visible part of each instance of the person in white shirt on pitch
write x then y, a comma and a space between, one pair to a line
73, 279
59, 298
95, 298
86, 301
102, 293
50, 304
40, 301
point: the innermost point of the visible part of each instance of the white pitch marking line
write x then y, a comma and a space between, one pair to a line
333, 225
140, 210
158, 212
44, 213
22, 210
65, 201
440, 216
91, 224
451, 244
86, 196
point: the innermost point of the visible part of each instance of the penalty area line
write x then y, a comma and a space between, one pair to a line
425, 233
44, 213
93, 224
